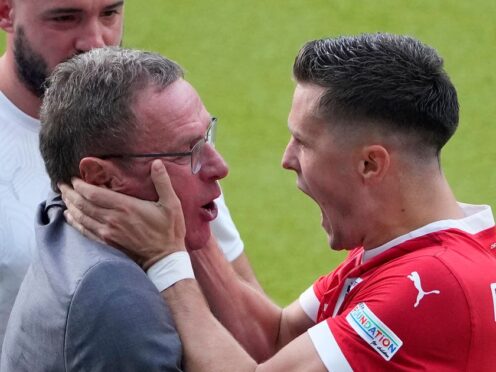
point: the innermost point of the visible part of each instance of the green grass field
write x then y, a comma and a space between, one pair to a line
239, 54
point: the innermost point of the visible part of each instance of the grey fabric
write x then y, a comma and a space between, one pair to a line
84, 306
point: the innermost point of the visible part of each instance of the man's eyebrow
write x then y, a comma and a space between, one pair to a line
117, 4
184, 140
61, 11
297, 134
69, 10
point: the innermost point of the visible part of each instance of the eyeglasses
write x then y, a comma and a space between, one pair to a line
195, 153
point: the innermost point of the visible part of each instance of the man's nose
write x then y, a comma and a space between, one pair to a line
214, 166
90, 37
288, 158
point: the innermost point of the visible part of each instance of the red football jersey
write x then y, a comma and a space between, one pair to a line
424, 301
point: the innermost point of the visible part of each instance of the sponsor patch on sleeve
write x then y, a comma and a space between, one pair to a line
374, 331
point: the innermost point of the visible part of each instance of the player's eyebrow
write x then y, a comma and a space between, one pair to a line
295, 132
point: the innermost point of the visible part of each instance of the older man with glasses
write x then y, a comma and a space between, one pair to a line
83, 306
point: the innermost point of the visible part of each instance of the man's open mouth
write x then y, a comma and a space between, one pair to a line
210, 210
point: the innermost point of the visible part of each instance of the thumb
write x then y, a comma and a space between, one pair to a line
162, 183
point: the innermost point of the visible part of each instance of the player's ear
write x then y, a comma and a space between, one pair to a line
100, 172
374, 163
7, 15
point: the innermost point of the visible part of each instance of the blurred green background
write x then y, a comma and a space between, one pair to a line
238, 54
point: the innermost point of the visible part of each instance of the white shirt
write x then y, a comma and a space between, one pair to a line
23, 185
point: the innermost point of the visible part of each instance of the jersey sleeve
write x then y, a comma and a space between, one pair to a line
388, 324
225, 231
118, 321
311, 299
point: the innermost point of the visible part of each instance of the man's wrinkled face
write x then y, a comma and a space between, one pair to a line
174, 119
47, 33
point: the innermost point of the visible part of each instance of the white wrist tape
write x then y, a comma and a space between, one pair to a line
171, 269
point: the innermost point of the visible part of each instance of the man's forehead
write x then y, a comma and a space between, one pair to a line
307, 96
175, 112
172, 102
306, 99
72, 5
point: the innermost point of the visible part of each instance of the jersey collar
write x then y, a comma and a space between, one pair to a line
477, 218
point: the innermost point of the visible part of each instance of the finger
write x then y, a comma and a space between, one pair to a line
72, 198
72, 222
87, 225
99, 196
163, 186
67, 193
74, 201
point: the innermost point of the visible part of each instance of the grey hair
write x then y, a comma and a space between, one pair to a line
88, 105
389, 81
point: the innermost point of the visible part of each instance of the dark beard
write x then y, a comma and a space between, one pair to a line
31, 68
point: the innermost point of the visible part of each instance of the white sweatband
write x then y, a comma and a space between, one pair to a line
171, 269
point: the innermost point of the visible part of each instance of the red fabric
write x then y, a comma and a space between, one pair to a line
454, 329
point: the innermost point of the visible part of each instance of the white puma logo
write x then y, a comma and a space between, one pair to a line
415, 278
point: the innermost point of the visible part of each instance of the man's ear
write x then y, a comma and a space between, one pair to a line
99, 172
374, 163
7, 16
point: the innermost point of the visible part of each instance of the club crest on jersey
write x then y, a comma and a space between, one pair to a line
374, 331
